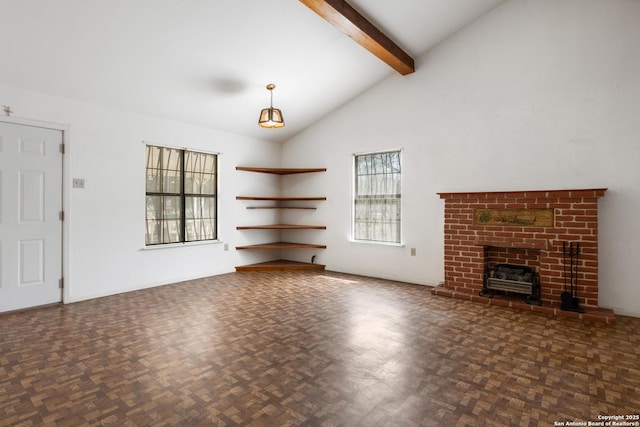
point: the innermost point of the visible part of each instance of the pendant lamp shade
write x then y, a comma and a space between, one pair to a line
271, 117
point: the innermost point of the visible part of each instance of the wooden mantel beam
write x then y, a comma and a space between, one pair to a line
352, 23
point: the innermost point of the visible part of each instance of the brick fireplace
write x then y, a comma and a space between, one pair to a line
482, 229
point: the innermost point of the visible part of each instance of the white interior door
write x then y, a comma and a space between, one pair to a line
30, 223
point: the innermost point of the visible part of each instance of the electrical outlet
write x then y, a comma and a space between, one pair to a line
226, 246
78, 183
413, 251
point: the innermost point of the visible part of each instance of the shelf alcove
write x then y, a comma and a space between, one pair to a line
283, 203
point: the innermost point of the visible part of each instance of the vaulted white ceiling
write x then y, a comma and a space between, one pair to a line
207, 62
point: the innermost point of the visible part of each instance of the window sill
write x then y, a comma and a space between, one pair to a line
181, 245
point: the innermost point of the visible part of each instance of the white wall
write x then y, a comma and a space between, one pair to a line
547, 89
104, 226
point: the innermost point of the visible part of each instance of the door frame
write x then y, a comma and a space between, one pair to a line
64, 250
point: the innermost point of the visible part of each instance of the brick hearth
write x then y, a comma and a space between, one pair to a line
471, 244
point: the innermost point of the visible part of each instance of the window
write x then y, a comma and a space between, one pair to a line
181, 196
377, 197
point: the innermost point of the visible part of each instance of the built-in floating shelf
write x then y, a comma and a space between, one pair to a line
282, 207
280, 199
281, 264
280, 171
281, 227
283, 245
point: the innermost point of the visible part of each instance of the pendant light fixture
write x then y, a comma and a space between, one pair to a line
271, 117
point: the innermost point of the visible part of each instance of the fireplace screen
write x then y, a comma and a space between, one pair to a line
519, 279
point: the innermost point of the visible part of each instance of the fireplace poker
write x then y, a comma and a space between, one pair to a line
565, 297
569, 300
571, 274
574, 286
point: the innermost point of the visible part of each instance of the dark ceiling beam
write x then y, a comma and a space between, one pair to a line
352, 23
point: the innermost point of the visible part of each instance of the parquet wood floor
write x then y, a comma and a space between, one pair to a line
312, 349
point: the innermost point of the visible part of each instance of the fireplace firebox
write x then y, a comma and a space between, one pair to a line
519, 279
